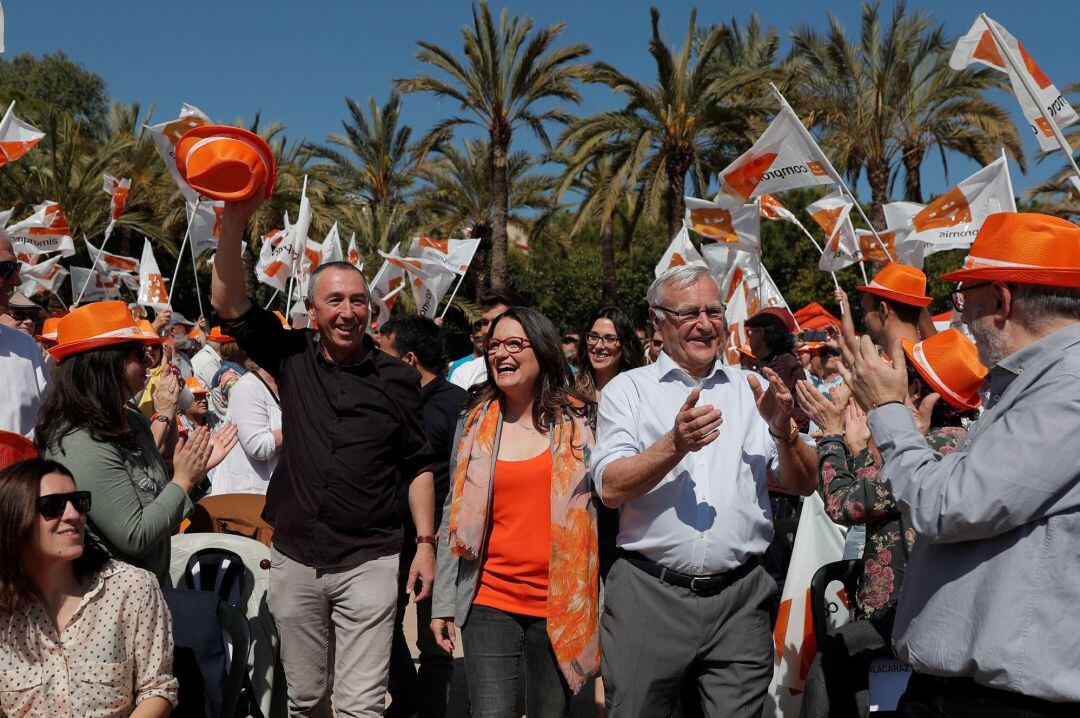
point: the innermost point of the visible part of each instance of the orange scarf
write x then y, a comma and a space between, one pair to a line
573, 580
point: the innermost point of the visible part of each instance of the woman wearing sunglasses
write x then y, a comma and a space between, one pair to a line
88, 422
80, 634
517, 566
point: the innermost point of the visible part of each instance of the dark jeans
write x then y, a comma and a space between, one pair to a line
424, 693
932, 697
498, 646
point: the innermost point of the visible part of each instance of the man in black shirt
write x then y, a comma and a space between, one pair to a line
352, 425
416, 341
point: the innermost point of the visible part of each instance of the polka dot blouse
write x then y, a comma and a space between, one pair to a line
115, 652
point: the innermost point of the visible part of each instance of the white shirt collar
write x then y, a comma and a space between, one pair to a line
667, 367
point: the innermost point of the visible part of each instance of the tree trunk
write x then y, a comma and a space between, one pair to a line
877, 174
677, 164
609, 281
913, 157
480, 261
500, 190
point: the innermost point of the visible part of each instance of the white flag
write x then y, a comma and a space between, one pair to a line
47, 229
953, 219
151, 289
108, 263
818, 541
118, 191
99, 287
167, 134
352, 255
738, 226
204, 218
16, 137
430, 280
784, 157
680, 251
772, 208
331, 246
276, 260
978, 45
388, 281
833, 214
455, 254
44, 276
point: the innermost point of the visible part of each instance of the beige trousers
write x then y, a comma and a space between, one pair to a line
335, 629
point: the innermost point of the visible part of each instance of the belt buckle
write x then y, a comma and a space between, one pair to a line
693, 582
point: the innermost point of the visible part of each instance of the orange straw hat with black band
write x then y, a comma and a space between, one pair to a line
1023, 247
900, 283
97, 325
949, 364
226, 163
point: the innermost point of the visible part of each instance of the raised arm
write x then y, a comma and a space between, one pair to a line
227, 285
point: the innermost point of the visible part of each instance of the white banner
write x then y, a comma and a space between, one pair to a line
679, 252
833, 214
43, 276
47, 229
151, 288
738, 226
99, 288
16, 137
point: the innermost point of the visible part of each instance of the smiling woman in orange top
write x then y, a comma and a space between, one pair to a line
517, 563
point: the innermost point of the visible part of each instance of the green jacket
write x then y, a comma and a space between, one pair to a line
135, 508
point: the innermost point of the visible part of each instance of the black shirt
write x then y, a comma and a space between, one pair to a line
443, 403
352, 434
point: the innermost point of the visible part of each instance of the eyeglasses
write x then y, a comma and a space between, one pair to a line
658, 343
714, 313
8, 267
512, 345
958, 294
610, 340
53, 505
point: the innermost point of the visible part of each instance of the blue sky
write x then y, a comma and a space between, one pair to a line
296, 61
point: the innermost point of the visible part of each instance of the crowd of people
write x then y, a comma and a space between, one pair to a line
585, 508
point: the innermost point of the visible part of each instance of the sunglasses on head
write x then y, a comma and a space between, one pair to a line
53, 505
8, 267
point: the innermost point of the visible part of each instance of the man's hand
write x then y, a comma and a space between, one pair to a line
445, 633
775, 404
162, 320
695, 426
874, 382
423, 568
820, 409
856, 430
235, 215
166, 394
923, 411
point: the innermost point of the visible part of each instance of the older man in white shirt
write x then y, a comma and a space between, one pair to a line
684, 449
23, 376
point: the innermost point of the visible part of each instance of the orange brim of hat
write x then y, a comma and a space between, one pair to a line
62, 351
950, 397
230, 178
1053, 276
897, 296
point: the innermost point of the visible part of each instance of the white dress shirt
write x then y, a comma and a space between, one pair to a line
249, 465
711, 512
23, 378
470, 373
205, 363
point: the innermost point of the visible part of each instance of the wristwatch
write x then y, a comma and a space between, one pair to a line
162, 418
792, 434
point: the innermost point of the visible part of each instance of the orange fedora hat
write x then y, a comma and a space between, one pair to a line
949, 363
1027, 247
226, 163
196, 385
15, 447
48, 330
783, 314
97, 325
900, 283
216, 335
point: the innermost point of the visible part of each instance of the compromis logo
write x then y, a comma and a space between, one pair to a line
815, 168
948, 210
713, 223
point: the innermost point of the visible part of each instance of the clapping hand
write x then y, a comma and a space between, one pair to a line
821, 410
695, 426
774, 404
221, 443
872, 381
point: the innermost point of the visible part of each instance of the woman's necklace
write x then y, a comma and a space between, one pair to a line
523, 425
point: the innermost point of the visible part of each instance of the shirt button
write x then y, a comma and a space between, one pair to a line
995, 397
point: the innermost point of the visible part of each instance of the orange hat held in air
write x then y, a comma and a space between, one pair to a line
226, 163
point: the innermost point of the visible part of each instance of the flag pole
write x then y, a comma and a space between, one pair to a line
183, 246
1025, 80
807, 136
58, 298
862, 268
818, 247
452, 295
101, 251
272, 298
198, 293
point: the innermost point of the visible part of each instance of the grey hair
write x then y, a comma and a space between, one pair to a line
1038, 304
681, 277
310, 297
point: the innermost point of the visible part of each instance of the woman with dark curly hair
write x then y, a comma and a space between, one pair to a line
80, 634
517, 559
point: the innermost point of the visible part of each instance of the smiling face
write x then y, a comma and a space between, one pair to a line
516, 374
693, 345
602, 343
60, 538
198, 409
339, 307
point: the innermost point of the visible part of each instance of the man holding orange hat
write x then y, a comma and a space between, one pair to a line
355, 433
987, 617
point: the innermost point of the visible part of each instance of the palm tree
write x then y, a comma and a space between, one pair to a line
886, 100
502, 84
695, 117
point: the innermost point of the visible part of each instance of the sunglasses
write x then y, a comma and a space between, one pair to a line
8, 268
53, 505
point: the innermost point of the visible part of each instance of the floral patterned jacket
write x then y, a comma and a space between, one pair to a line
854, 497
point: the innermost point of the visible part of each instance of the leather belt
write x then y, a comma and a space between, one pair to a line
704, 586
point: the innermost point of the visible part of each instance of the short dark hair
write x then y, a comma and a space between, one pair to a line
908, 313
418, 335
20, 486
326, 267
505, 297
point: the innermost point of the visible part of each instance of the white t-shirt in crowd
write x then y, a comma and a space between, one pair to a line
248, 467
23, 379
